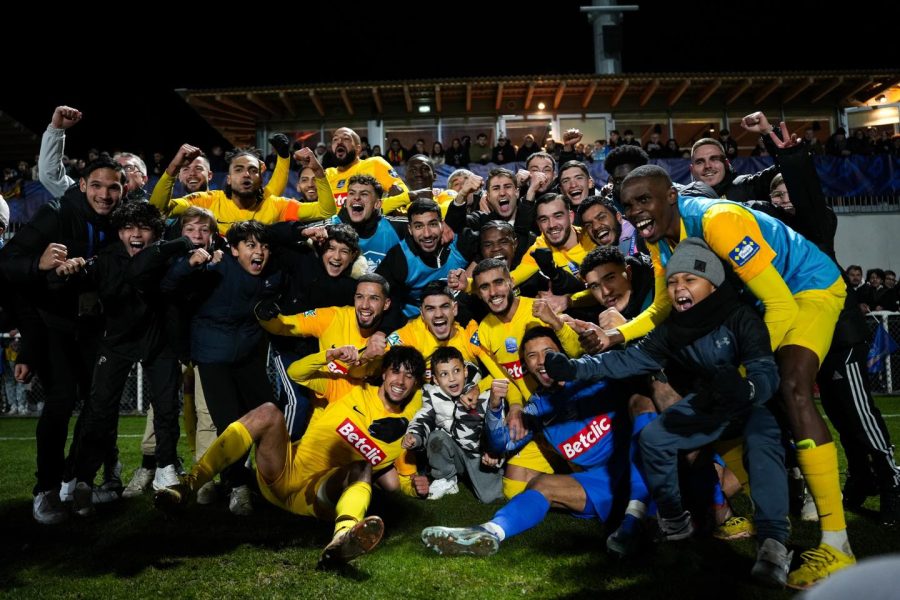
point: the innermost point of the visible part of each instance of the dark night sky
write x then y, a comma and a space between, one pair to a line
126, 90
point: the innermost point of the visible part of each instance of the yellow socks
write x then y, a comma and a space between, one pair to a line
352, 505
229, 447
820, 468
732, 453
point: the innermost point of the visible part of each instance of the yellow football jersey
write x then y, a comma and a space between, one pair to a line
378, 168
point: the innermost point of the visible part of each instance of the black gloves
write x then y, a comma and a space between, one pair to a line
389, 429
544, 259
282, 144
559, 367
267, 309
725, 391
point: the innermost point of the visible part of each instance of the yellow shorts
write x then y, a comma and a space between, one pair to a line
814, 326
295, 488
531, 457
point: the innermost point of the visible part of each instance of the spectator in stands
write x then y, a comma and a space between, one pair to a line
217, 162
890, 279
837, 144
614, 141
438, 156
855, 275
35, 171
396, 154
760, 149
628, 139
456, 155
418, 148
599, 151
552, 148
883, 143
859, 143
376, 151
812, 142
653, 147
527, 148
480, 152
729, 144
671, 150
365, 150
24, 170
158, 164
874, 295
503, 152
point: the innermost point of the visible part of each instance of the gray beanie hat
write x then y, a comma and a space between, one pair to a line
692, 255
4, 213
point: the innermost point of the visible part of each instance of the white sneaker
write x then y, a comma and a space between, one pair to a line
207, 494
809, 513
67, 490
165, 477
442, 487
240, 503
47, 508
140, 483
83, 499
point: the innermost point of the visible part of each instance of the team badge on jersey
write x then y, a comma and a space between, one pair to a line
340, 183
744, 251
310, 313
573, 268
392, 173
474, 339
394, 339
512, 344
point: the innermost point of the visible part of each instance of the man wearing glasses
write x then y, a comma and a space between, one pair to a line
709, 165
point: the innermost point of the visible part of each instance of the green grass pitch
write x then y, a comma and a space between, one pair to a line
129, 550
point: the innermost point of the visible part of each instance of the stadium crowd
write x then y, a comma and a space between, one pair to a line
638, 352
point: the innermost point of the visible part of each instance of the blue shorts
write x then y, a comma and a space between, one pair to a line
598, 490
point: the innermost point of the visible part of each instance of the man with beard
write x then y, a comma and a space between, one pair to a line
437, 327
559, 249
75, 226
346, 146
710, 164
422, 257
803, 294
504, 203
329, 473
244, 197
606, 227
337, 326
420, 178
500, 334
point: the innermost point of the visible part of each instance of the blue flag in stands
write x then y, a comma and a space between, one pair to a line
882, 346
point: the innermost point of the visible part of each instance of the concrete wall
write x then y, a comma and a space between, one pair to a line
870, 240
